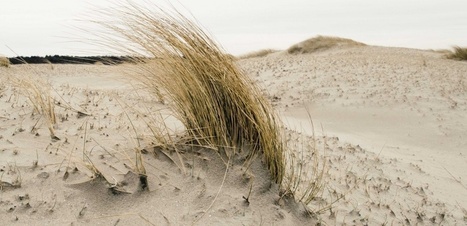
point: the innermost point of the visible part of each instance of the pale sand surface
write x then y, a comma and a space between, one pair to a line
391, 123
400, 105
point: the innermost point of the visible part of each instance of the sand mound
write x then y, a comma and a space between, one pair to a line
321, 43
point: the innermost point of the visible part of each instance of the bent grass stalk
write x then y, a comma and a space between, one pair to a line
306, 168
139, 163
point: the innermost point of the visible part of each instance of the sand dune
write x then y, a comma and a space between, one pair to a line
391, 124
404, 107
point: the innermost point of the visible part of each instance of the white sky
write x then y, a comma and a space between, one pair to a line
47, 27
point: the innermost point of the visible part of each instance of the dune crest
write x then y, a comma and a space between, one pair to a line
321, 43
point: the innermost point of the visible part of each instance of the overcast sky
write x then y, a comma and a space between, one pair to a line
47, 27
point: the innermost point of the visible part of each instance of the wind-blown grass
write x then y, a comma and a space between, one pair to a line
458, 54
39, 94
217, 103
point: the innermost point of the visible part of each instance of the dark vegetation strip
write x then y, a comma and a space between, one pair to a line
57, 59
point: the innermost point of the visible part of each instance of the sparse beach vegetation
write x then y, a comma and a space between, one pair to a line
458, 53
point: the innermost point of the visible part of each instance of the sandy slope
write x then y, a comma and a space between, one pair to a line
391, 124
49, 182
405, 108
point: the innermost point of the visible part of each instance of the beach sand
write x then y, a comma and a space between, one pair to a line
390, 124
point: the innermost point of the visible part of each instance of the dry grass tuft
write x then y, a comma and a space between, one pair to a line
306, 169
459, 53
321, 43
260, 53
217, 103
4, 62
39, 94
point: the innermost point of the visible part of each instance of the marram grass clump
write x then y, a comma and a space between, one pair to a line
217, 103
459, 53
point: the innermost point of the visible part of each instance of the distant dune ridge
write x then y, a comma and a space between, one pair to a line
318, 43
259, 53
322, 43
